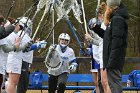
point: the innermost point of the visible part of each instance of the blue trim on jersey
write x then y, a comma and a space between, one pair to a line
73, 61
95, 65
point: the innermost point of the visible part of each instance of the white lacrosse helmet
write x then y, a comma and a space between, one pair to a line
26, 23
64, 36
91, 22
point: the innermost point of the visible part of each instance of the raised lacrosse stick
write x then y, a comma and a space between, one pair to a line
40, 5
61, 9
76, 11
45, 11
97, 11
85, 23
10, 9
31, 7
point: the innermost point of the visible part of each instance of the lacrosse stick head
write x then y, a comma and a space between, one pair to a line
26, 23
53, 61
66, 37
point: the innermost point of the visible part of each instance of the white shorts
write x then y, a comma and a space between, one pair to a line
94, 70
3, 61
14, 63
2, 67
13, 68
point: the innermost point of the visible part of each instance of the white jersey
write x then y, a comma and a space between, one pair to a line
14, 60
3, 57
98, 52
66, 58
3, 41
103, 26
27, 56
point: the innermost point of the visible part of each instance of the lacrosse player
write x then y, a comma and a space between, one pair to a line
99, 29
15, 57
4, 45
60, 61
27, 56
96, 54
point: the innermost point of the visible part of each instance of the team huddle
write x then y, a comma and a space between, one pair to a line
107, 43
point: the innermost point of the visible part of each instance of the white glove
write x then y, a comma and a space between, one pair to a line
73, 67
52, 47
41, 44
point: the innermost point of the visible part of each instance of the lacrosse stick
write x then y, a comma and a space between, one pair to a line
85, 23
45, 23
40, 5
53, 25
76, 10
10, 9
25, 23
31, 7
59, 8
53, 59
97, 11
45, 11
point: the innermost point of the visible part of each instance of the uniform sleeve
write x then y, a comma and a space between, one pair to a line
72, 57
10, 44
95, 38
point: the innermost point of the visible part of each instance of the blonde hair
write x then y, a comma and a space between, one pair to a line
107, 15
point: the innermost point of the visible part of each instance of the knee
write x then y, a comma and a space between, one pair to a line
104, 82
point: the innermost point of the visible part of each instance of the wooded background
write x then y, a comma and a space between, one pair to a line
133, 6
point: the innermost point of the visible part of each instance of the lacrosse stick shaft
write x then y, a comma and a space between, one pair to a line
51, 31
39, 24
45, 12
10, 9
85, 23
26, 23
31, 7
45, 23
53, 26
97, 11
73, 31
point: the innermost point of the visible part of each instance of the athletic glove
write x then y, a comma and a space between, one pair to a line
73, 67
52, 47
41, 44
38, 45
28, 46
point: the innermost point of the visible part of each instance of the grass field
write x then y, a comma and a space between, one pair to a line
71, 91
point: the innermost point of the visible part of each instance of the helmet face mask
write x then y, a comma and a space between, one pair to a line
64, 40
26, 24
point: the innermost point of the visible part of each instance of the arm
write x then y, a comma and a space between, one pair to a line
93, 38
13, 47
